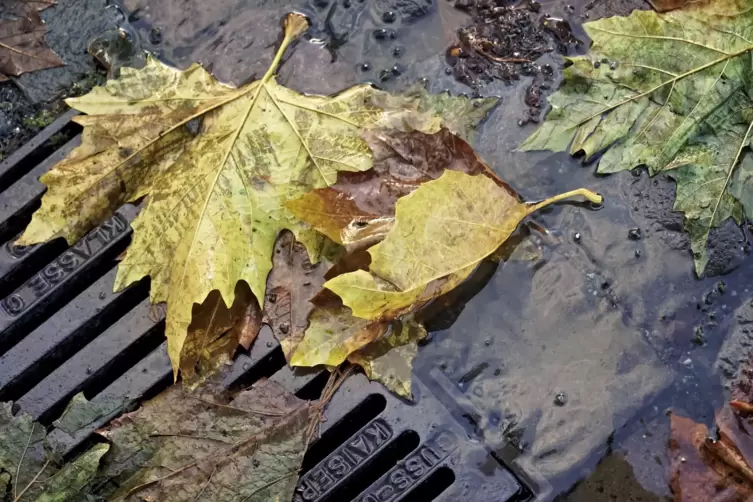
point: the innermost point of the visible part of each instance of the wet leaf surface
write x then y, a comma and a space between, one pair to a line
216, 331
218, 164
667, 91
185, 447
333, 334
704, 469
359, 209
29, 471
389, 360
442, 230
22, 44
292, 284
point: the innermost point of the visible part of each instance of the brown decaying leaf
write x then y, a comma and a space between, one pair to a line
293, 282
181, 447
23, 47
704, 469
359, 209
216, 331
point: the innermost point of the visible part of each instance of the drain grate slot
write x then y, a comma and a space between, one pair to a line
81, 371
19, 263
354, 421
432, 487
20, 199
378, 464
69, 274
38, 148
65, 333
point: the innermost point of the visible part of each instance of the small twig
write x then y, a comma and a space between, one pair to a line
32, 481
336, 379
187, 436
18, 469
742, 407
204, 487
271, 483
229, 407
498, 59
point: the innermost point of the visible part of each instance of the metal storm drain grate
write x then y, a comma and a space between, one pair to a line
63, 331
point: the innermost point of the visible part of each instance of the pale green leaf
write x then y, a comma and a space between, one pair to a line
674, 95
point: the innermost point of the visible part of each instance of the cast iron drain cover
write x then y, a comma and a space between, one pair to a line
63, 331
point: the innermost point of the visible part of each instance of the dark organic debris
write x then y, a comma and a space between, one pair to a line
503, 43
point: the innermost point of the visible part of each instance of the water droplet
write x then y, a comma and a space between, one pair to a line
246, 366
284, 328
635, 234
389, 17
597, 64
269, 344
102, 295
613, 65
560, 399
637, 253
380, 34
397, 52
155, 36
448, 71
576, 236
487, 342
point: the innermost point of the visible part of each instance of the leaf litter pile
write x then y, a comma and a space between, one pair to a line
332, 219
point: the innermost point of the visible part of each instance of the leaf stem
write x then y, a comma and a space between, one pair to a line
295, 24
39, 473
18, 470
588, 194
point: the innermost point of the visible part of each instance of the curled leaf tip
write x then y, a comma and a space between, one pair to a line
295, 25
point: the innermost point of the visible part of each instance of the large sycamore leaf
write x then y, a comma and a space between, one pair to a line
218, 164
186, 447
675, 97
22, 44
28, 469
442, 231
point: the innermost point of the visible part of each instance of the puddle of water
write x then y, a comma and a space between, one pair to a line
570, 352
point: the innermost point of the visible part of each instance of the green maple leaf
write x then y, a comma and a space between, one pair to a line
675, 96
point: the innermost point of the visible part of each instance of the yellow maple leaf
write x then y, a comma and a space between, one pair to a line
218, 164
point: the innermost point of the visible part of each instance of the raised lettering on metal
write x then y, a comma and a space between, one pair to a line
64, 265
343, 461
